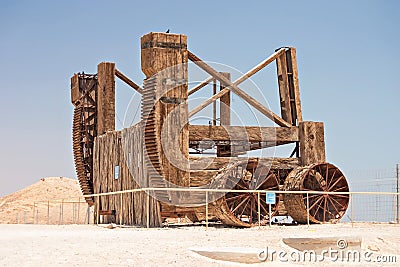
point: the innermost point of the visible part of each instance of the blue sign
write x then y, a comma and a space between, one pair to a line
270, 198
116, 172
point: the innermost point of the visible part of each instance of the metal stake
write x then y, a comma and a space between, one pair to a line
206, 210
397, 191
259, 211
270, 217
147, 209
308, 212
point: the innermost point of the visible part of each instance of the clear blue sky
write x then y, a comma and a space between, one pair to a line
348, 54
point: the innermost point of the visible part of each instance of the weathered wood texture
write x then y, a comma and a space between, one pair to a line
243, 133
123, 149
75, 93
217, 163
312, 142
105, 97
225, 103
165, 108
289, 86
225, 117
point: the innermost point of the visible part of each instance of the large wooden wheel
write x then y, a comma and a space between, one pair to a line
241, 209
322, 207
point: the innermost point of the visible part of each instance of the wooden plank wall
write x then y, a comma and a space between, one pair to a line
125, 149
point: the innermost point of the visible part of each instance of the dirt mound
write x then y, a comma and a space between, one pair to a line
50, 200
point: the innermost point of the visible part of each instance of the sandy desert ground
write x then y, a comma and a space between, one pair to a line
90, 245
42, 202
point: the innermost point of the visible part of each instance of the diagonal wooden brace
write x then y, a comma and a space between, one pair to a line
234, 87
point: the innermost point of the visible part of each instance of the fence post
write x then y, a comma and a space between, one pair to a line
79, 208
397, 191
88, 214
98, 211
308, 211
37, 216
62, 211
147, 209
60, 219
120, 211
206, 210
48, 212
33, 213
352, 210
259, 211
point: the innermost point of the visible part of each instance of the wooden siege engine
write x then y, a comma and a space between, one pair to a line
155, 153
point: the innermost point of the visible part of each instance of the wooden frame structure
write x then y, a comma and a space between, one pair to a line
155, 152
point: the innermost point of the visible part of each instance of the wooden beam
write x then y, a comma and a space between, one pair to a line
75, 94
128, 81
241, 133
200, 85
289, 87
224, 107
225, 117
292, 63
105, 97
233, 87
217, 163
312, 142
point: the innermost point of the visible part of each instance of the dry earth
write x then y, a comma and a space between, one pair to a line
30, 205
89, 245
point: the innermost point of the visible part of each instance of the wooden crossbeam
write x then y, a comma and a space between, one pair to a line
234, 87
128, 81
200, 85
217, 163
241, 133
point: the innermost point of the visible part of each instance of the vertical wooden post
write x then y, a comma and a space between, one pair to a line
312, 142
224, 109
105, 97
164, 57
289, 91
48, 212
225, 117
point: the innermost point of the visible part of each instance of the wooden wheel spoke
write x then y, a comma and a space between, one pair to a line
317, 209
341, 196
340, 188
312, 196
333, 199
324, 208
337, 181
229, 199
326, 175
334, 206
332, 177
240, 204
316, 201
245, 206
262, 206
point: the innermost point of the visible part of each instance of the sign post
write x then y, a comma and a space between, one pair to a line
270, 199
